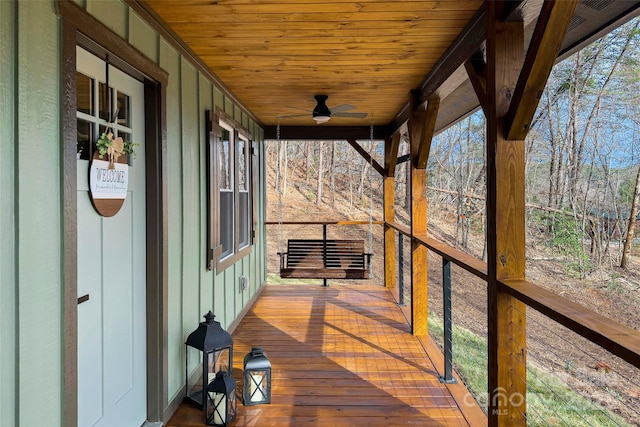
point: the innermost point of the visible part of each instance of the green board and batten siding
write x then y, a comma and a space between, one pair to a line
31, 218
8, 289
30, 215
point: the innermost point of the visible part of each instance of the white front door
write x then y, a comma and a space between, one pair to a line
111, 257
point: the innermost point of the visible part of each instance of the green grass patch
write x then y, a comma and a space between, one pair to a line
550, 402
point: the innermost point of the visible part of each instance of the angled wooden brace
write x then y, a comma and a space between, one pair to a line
476, 69
366, 156
391, 146
550, 30
421, 130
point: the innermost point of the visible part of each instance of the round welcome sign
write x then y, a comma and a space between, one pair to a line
108, 183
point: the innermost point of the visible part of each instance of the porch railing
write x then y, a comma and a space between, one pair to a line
617, 339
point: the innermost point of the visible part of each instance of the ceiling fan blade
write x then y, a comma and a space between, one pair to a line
353, 115
298, 108
341, 108
290, 116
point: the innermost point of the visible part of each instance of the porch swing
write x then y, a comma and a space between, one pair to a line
325, 258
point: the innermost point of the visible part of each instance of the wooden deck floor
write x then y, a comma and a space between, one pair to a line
341, 356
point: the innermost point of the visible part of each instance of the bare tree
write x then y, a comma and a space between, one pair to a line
308, 161
320, 173
631, 228
332, 176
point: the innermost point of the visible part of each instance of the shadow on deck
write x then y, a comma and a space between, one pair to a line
341, 356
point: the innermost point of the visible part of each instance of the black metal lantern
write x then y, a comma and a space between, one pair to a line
221, 406
257, 377
211, 346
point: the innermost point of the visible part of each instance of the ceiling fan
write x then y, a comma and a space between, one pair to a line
321, 113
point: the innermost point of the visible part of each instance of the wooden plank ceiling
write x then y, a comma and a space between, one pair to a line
275, 55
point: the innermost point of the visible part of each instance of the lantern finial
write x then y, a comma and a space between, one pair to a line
209, 317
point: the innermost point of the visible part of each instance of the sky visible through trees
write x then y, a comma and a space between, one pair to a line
582, 154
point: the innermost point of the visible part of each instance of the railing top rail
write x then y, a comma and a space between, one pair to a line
468, 262
323, 222
613, 336
404, 229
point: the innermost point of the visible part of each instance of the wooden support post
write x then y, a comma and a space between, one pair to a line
390, 158
389, 233
505, 226
419, 252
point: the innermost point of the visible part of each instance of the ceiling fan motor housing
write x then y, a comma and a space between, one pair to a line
321, 112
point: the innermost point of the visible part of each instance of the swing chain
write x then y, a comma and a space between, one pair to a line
371, 190
279, 190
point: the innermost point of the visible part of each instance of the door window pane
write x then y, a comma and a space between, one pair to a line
126, 136
84, 147
104, 102
124, 110
84, 93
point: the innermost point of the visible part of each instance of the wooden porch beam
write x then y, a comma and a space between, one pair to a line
550, 30
324, 132
366, 156
506, 315
469, 40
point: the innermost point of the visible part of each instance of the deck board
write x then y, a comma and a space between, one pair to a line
341, 356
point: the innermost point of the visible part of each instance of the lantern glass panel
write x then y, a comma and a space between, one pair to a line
231, 406
217, 408
257, 386
194, 374
219, 361
220, 403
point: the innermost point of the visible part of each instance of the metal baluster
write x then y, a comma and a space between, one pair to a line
324, 251
401, 269
448, 338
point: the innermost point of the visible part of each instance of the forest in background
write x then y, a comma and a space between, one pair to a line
582, 189
582, 160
